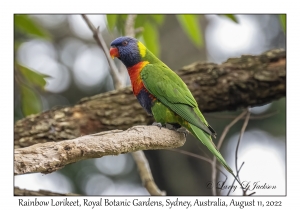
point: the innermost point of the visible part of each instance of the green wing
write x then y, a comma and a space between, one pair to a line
168, 88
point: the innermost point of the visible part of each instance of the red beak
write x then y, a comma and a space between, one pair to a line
114, 52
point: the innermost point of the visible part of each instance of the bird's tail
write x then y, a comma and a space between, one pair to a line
207, 141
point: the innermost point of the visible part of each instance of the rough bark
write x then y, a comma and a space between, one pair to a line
52, 156
239, 82
24, 192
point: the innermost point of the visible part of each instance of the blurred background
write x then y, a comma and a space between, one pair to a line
57, 62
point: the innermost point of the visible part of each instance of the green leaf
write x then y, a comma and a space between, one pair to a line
32, 76
111, 21
231, 17
151, 37
282, 18
30, 101
190, 25
140, 20
159, 19
27, 25
121, 19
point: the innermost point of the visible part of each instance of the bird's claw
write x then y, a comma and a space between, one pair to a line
175, 127
185, 132
158, 124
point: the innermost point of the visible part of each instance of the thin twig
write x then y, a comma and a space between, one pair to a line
201, 158
239, 140
246, 190
234, 179
198, 157
251, 194
100, 41
192, 155
258, 117
201, 148
228, 127
129, 25
138, 30
225, 131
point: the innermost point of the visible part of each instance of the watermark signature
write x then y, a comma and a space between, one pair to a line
257, 185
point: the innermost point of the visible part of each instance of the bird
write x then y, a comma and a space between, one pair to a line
162, 93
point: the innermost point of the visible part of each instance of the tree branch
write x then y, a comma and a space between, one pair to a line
52, 156
24, 192
145, 173
239, 82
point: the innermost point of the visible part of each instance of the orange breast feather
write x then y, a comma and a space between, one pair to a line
135, 77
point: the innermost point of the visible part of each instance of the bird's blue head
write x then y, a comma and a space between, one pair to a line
127, 49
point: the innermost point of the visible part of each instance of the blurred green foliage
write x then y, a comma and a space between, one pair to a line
190, 25
32, 76
28, 81
31, 102
282, 19
231, 17
149, 23
26, 25
151, 38
111, 21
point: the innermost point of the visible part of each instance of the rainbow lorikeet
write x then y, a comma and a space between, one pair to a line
162, 93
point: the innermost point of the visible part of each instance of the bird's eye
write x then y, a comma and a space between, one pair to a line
124, 43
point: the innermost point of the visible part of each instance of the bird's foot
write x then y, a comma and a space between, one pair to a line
158, 124
184, 131
175, 126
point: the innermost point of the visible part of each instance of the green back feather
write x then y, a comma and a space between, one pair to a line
168, 88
